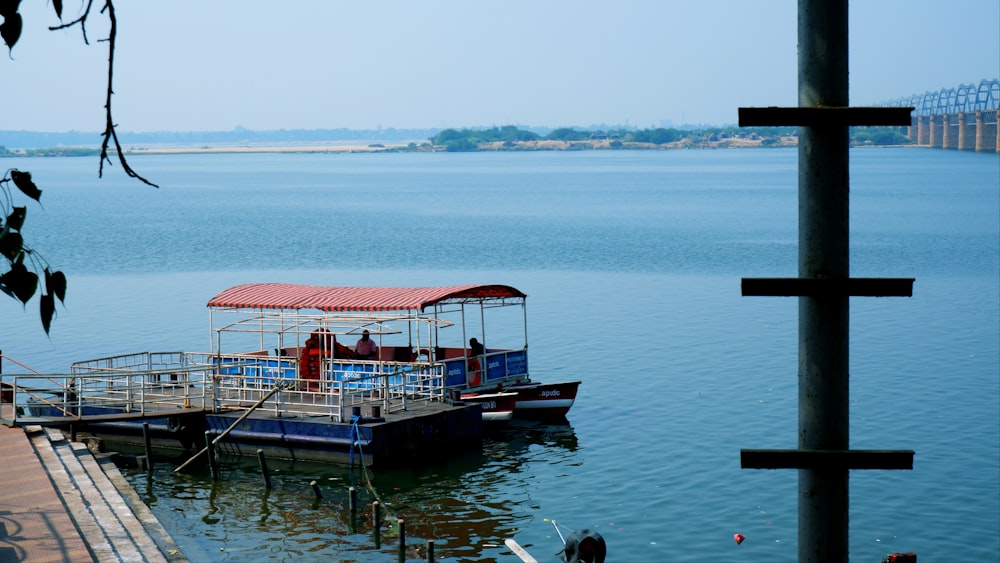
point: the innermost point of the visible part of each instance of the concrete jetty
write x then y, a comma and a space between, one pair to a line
59, 503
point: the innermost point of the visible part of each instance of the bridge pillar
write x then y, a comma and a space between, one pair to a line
987, 131
936, 131
966, 132
996, 132
949, 131
923, 130
913, 131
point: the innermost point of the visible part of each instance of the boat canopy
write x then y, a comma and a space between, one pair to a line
356, 299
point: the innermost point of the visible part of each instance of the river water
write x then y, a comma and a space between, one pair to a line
632, 261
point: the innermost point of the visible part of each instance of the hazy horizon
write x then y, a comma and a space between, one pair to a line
194, 66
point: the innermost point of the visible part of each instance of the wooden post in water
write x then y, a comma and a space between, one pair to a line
263, 468
377, 518
352, 495
213, 461
402, 539
208, 445
315, 488
148, 446
430, 551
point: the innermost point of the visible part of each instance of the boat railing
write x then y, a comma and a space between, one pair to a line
139, 362
152, 382
340, 386
495, 367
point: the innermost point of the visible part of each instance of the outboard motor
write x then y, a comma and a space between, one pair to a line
584, 546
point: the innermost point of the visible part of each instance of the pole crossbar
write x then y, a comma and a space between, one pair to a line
831, 459
823, 287
825, 116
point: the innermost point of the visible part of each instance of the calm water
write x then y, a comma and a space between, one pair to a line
632, 261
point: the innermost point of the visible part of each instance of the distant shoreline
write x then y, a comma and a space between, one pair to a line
495, 139
519, 146
267, 149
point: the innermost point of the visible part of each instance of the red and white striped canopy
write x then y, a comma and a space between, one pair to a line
356, 299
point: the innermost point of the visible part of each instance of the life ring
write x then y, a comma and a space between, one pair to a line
474, 371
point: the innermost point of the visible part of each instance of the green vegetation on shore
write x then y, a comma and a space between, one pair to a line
52, 151
512, 138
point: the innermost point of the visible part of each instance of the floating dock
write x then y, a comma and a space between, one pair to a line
385, 424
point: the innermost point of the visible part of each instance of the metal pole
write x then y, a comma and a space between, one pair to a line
823, 253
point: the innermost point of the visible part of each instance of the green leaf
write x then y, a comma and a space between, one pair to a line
23, 181
11, 245
55, 283
10, 29
16, 218
19, 282
47, 307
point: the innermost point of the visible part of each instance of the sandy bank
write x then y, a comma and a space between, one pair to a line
266, 149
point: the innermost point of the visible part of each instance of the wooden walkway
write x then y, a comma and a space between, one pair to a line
58, 503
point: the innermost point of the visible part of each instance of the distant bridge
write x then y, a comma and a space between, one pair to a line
962, 118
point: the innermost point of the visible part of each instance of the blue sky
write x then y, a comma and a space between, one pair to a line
190, 65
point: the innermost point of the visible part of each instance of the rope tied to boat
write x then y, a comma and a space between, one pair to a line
356, 443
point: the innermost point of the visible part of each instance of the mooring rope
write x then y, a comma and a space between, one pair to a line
356, 432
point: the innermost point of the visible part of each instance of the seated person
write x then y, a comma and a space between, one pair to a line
365, 349
476, 348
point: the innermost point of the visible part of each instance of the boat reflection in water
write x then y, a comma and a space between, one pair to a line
467, 503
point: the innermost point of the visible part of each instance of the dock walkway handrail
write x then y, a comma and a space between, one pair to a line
226, 432
105, 389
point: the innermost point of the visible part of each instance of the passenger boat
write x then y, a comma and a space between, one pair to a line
315, 372
413, 329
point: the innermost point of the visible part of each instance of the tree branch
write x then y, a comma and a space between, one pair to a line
110, 133
109, 130
81, 21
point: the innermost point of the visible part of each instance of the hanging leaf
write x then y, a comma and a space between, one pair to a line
23, 181
8, 7
47, 307
19, 282
11, 245
55, 283
10, 29
16, 218
57, 4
